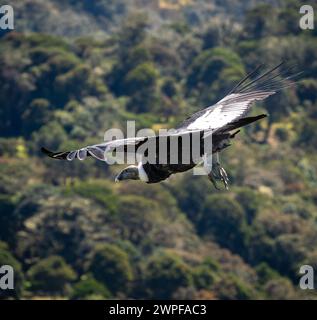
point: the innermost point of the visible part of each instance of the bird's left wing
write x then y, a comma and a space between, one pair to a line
239, 100
98, 151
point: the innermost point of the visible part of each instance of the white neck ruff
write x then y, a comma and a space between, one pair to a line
142, 174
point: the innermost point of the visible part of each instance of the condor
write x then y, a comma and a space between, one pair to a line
218, 121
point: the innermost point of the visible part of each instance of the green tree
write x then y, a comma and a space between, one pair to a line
51, 275
265, 273
250, 202
213, 73
191, 196
230, 287
280, 289
143, 76
8, 220
130, 52
35, 115
51, 136
203, 277
164, 274
111, 266
224, 219
259, 21
89, 288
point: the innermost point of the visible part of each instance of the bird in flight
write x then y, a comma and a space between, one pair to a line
219, 121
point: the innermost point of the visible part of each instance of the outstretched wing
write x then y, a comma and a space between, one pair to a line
98, 151
235, 105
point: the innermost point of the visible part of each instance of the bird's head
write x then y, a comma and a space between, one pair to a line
129, 173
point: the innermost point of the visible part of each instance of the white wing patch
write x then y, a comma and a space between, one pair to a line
99, 151
229, 109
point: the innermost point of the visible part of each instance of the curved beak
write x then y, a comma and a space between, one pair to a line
118, 177
128, 174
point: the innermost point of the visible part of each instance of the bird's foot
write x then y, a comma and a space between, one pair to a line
218, 173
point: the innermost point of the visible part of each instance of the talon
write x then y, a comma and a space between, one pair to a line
213, 180
217, 172
224, 177
224, 173
225, 182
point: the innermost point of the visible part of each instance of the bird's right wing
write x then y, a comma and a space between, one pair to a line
235, 105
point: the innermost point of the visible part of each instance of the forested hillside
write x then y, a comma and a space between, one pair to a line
73, 69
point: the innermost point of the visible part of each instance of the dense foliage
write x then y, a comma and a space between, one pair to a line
70, 232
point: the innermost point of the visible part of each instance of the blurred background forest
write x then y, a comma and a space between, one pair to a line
72, 69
